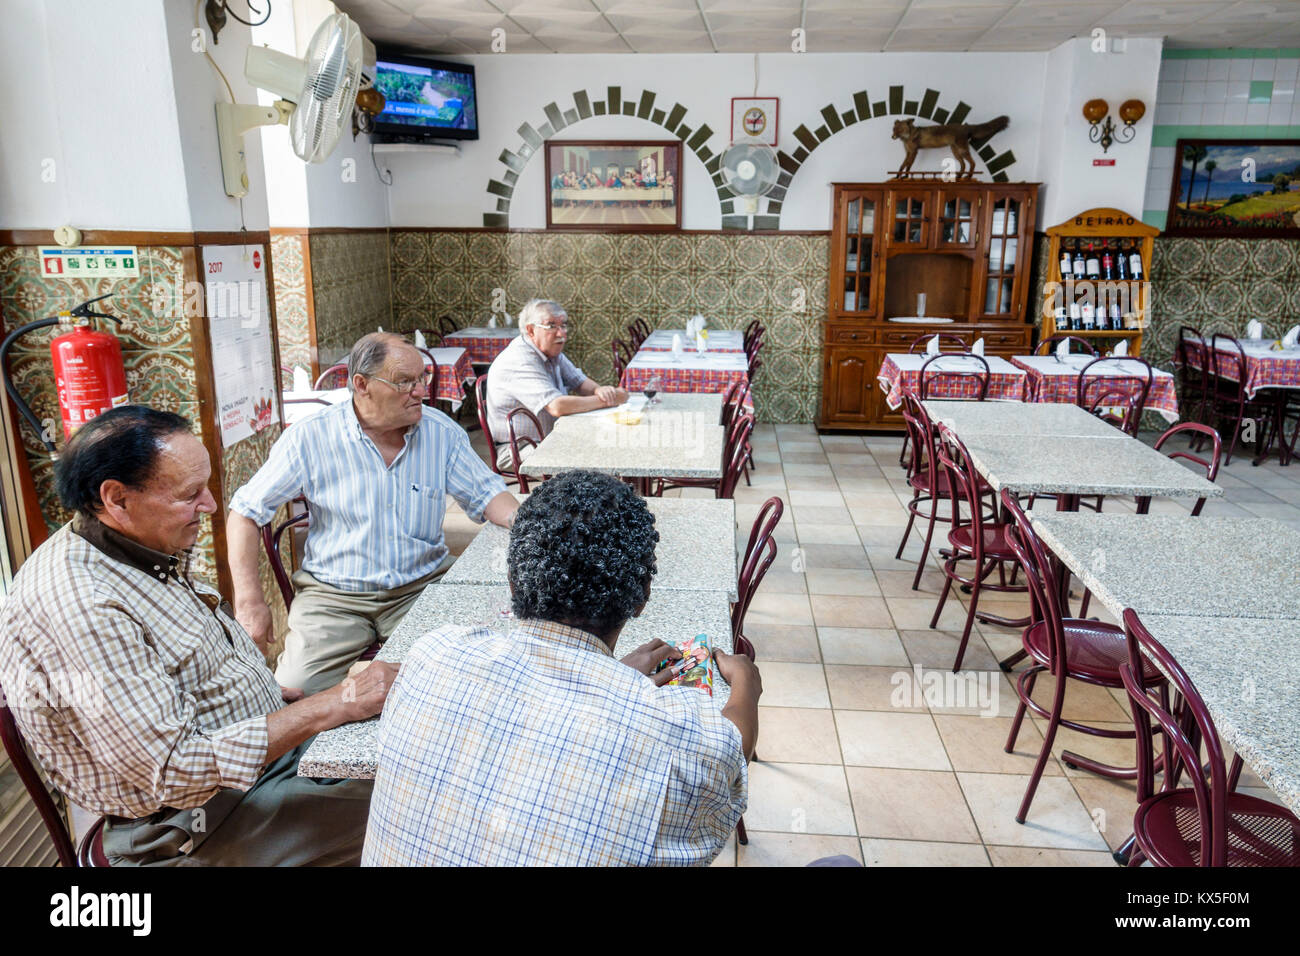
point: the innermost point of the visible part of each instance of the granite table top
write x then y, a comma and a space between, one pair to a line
1081, 465
675, 445
672, 616
1018, 418
704, 406
1247, 671
1175, 564
696, 550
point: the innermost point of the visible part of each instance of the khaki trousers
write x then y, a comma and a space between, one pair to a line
329, 629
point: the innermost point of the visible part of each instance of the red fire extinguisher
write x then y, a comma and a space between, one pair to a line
88, 370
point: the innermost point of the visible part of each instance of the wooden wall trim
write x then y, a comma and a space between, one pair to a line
606, 232
232, 237
309, 294
95, 237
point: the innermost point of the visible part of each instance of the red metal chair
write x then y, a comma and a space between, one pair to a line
1211, 464
752, 330
336, 376
1095, 393
1068, 649
446, 326
753, 347
929, 484
1226, 398
480, 401
733, 404
634, 336
735, 453
622, 354
972, 367
1192, 358
431, 367
1048, 345
519, 442
91, 850
1206, 823
977, 539
760, 552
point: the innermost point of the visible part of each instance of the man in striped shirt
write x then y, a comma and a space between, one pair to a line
139, 694
539, 748
376, 471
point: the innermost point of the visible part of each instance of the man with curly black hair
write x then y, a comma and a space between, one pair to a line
537, 747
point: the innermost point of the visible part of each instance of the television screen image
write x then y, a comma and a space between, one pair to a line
426, 98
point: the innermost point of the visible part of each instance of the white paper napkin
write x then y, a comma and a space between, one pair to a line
1292, 336
978, 347
1254, 329
701, 343
677, 345
419, 340
1121, 348
1063, 350
932, 346
492, 321
301, 379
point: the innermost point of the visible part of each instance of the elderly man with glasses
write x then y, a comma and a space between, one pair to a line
533, 372
376, 472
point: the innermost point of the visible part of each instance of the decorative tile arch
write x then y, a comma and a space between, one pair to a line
584, 108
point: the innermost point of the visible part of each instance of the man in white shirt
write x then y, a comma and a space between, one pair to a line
533, 372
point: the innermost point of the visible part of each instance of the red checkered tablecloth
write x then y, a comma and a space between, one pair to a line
902, 372
1265, 368
711, 372
482, 344
720, 340
454, 372
1049, 380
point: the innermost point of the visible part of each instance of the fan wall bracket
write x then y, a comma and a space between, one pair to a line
233, 121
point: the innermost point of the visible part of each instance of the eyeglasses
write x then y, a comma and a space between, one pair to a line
407, 385
554, 326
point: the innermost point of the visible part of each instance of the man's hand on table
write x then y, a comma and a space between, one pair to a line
255, 617
611, 395
646, 658
362, 693
739, 669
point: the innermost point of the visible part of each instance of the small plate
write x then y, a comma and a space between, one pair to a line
921, 320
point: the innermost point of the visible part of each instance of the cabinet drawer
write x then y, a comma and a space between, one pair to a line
904, 336
852, 336
1004, 338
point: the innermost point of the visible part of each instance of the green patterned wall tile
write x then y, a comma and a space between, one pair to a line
291, 316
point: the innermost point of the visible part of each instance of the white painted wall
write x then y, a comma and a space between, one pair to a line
90, 89
1074, 75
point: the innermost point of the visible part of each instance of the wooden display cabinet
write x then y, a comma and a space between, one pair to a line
967, 246
1099, 231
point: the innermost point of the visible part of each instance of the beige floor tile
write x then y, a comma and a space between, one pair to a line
778, 609
938, 649
921, 853
1115, 751
862, 645
805, 469
855, 687
788, 684
819, 482
819, 499
795, 849
974, 744
799, 798
797, 735
899, 583
728, 855
1057, 817
852, 487
970, 693
1083, 702
820, 514
1110, 803
1043, 856
779, 580
840, 610
827, 534
881, 553
888, 517
841, 556
910, 805
871, 738
796, 643
914, 613
859, 472
859, 582
883, 501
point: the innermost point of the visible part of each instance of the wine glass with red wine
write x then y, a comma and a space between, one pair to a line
651, 389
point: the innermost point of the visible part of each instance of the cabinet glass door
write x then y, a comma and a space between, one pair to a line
958, 218
1000, 261
859, 224
910, 220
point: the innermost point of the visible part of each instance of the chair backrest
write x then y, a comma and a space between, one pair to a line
1190, 351
1130, 391
634, 336
271, 534
430, 366
963, 483
1212, 795
336, 376
480, 400
446, 325
16, 747
753, 331
1228, 359
733, 402
622, 354
921, 435
735, 455
1048, 345
1211, 464
1043, 595
974, 368
759, 554
952, 338
518, 441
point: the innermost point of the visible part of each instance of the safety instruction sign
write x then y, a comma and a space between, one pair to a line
97, 262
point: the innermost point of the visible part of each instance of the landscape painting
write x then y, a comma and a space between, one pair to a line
1245, 188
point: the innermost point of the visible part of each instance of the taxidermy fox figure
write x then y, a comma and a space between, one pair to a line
956, 136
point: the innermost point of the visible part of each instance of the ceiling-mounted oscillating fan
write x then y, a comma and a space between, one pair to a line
318, 94
750, 169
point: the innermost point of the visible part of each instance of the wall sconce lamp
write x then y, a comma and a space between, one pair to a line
1096, 111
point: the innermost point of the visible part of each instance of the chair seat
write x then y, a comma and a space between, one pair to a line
921, 482
1260, 833
996, 542
91, 851
1094, 650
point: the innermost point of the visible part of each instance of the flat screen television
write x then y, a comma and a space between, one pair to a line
424, 98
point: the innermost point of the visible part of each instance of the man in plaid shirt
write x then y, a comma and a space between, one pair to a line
138, 692
538, 747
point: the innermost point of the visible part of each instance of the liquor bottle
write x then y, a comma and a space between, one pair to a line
1079, 266
1067, 267
1107, 262
1121, 263
1116, 320
1091, 263
1059, 318
1076, 317
1135, 264
1088, 315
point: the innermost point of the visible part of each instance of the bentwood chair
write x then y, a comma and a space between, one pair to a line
1206, 823
519, 442
1066, 648
1226, 398
1048, 345
1192, 358
928, 483
1211, 464
971, 377
1097, 392
760, 552
622, 354
735, 453
91, 850
336, 376
919, 345
446, 326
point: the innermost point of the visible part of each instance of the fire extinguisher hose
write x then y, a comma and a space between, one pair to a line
23, 407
